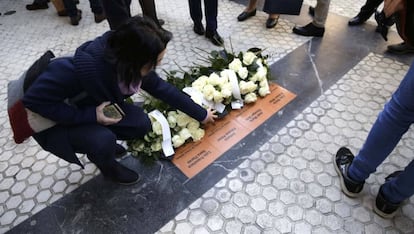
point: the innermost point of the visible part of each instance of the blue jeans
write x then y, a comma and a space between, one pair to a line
391, 124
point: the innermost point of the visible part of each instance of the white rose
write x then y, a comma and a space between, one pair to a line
213, 79
243, 73
197, 134
261, 73
264, 83
156, 146
172, 121
235, 65
226, 92
193, 125
156, 128
217, 96
259, 62
182, 120
184, 134
208, 92
172, 113
200, 83
139, 146
254, 78
248, 58
247, 87
263, 91
250, 98
177, 141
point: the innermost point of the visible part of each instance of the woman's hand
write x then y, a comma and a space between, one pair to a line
101, 118
211, 115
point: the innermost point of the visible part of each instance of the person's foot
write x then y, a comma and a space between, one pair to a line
36, 6
309, 30
401, 48
120, 151
100, 17
215, 38
271, 22
343, 160
74, 20
199, 29
161, 22
383, 207
246, 14
311, 11
359, 19
62, 13
120, 174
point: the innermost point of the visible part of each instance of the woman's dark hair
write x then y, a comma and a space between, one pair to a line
134, 44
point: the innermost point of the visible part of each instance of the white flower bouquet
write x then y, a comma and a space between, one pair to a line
226, 82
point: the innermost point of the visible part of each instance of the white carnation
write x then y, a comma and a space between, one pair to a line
235, 65
248, 58
250, 98
243, 73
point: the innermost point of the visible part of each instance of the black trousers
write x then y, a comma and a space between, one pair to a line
210, 7
370, 6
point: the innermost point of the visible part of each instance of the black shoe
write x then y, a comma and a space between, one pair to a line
167, 34
215, 38
120, 151
271, 23
311, 11
161, 22
62, 13
245, 15
361, 18
402, 48
199, 29
74, 20
36, 6
99, 17
343, 160
120, 174
382, 207
309, 30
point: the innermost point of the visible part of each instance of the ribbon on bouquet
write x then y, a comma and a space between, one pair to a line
238, 103
166, 144
194, 93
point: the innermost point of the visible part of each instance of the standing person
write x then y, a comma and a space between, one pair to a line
119, 11
107, 70
211, 11
251, 11
395, 119
75, 14
316, 28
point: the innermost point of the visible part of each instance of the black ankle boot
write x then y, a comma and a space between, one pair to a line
119, 173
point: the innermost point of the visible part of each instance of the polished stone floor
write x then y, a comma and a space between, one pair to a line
279, 179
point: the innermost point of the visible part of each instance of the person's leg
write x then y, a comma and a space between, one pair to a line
72, 11
99, 144
211, 11
97, 9
148, 9
401, 187
117, 12
196, 11
366, 11
321, 13
391, 124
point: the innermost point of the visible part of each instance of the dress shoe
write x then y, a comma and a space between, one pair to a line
62, 13
311, 11
161, 22
199, 29
120, 174
36, 6
245, 15
215, 38
99, 17
74, 20
309, 30
271, 23
360, 18
402, 48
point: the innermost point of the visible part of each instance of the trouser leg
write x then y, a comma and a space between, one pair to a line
211, 11
321, 13
117, 12
195, 11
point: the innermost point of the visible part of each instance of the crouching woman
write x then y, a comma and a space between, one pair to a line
106, 70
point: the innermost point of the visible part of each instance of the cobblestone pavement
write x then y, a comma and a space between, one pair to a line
289, 185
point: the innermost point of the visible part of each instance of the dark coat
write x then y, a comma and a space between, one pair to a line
88, 71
